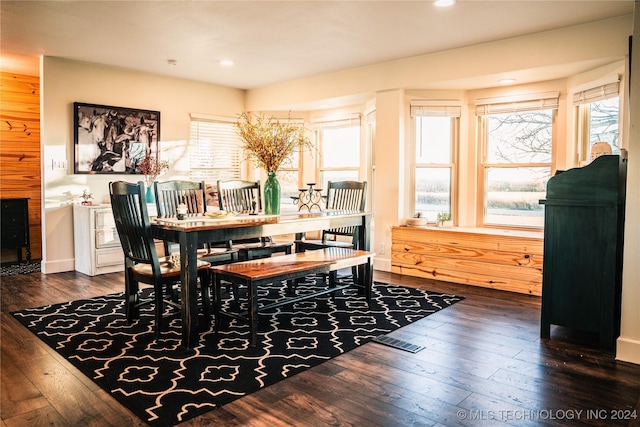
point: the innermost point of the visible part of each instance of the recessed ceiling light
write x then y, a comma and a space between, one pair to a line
444, 3
172, 62
507, 81
226, 62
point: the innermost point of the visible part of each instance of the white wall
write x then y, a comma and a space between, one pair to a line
65, 82
628, 344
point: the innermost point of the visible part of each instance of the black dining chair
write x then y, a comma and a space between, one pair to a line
142, 264
344, 196
245, 197
169, 195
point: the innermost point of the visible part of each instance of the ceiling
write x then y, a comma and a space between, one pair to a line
271, 42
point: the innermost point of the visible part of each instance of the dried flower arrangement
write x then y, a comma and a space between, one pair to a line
268, 141
151, 168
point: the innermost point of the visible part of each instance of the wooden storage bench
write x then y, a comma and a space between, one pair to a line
508, 260
288, 267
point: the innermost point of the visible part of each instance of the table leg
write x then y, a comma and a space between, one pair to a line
189, 288
364, 234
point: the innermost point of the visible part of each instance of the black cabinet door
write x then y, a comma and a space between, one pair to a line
14, 218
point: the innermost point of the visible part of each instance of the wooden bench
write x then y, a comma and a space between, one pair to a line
259, 272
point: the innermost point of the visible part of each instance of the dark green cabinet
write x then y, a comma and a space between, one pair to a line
14, 217
583, 242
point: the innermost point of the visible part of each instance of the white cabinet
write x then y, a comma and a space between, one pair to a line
97, 246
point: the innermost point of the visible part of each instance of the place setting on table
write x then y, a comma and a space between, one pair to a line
213, 218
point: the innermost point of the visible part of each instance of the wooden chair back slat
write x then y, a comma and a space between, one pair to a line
347, 196
170, 194
128, 204
239, 196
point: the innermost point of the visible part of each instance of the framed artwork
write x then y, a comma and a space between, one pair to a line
113, 140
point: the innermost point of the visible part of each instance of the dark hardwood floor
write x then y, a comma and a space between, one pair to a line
484, 364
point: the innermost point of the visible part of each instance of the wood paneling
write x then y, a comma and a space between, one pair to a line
497, 259
20, 159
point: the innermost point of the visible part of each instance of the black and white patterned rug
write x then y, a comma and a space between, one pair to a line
23, 268
165, 384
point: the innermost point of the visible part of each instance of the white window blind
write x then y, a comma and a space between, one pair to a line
336, 122
215, 151
435, 109
517, 103
599, 93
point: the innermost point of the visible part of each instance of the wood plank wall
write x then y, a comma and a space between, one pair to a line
20, 159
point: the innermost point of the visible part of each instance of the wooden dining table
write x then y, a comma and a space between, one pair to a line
194, 230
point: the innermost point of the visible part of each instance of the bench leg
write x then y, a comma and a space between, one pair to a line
365, 280
291, 286
252, 291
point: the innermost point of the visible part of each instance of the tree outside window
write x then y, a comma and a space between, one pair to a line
597, 118
603, 122
517, 167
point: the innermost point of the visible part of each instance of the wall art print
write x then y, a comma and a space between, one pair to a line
113, 140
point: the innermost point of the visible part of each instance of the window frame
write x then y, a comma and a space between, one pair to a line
452, 110
288, 205
582, 101
319, 126
512, 104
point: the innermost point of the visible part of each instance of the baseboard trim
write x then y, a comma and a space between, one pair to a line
382, 264
628, 350
60, 266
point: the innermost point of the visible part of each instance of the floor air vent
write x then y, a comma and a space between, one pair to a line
395, 343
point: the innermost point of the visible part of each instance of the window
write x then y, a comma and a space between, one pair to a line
597, 115
436, 128
215, 150
288, 177
517, 137
339, 150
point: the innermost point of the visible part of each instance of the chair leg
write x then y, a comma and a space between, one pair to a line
235, 288
172, 291
131, 309
158, 309
252, 291
217, 302
205, 288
